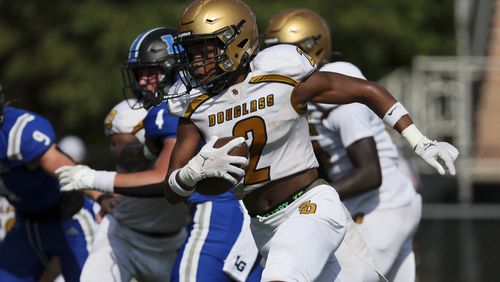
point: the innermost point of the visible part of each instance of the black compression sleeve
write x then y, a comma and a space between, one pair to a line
146, 191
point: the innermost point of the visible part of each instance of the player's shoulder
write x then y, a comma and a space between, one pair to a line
344, 68
12, 114
183, 101
20, 119
160, 122
285, 60
123, 119
162, 107
28, 134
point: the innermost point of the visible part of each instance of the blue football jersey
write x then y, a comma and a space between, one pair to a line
159, 124
26, 136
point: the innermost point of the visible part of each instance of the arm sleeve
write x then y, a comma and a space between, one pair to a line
353, 122
155, 190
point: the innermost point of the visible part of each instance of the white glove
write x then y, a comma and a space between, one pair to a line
81, 177
214, 162
432, 151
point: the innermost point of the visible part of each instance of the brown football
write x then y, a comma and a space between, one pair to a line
214, 185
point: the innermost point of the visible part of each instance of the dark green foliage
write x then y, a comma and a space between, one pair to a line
62, 59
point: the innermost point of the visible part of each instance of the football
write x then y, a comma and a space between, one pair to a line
213, 185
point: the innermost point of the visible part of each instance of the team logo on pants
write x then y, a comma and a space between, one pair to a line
307, 207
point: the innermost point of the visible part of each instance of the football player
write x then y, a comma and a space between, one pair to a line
143, 234
140, 238
228, 89
357, 155
48, 222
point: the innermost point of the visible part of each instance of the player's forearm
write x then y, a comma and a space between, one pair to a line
357, 182
135, 179
93, 194
154, 190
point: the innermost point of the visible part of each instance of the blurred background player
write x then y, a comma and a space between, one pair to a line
48, 222
140, 238
219, 246
357, 155
74, 147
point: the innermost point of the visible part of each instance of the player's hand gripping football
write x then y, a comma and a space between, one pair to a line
214, 162
78, 177
433, 151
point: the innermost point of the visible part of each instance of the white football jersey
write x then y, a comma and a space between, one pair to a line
335, 129
151, 215
123, 119
262, 109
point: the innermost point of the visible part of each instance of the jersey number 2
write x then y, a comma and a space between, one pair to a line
254, 128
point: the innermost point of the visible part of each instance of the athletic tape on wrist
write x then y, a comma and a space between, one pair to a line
104, 181
175, 187
187, 175
413, 136
395, 113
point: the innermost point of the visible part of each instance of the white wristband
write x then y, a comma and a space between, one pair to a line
188, 176
175, 187
394, 114
413, 136
104, 181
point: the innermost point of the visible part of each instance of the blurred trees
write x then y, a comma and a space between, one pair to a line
62, 59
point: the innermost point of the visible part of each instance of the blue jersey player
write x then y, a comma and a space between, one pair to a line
48, 222
219, 246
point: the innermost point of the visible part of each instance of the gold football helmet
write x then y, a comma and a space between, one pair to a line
301, 27
228, 24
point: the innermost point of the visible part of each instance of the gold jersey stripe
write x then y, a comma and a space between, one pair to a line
273, 78
138, 127
195, 104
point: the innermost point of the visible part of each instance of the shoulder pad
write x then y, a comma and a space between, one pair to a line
344, 68
159, 123
284, 59
29, 137
178, 106
123, 119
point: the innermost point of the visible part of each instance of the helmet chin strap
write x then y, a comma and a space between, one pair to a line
148, 98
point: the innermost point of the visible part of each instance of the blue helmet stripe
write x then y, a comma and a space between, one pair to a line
134, 48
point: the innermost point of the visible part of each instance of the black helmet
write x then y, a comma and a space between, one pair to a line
152, 48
